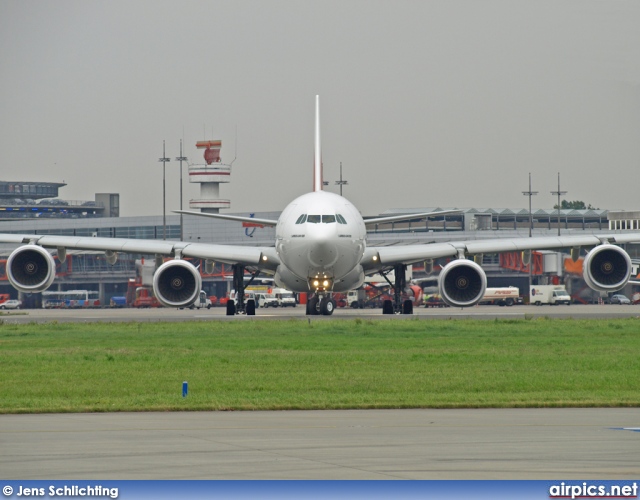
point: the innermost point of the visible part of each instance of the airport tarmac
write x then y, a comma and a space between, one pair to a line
546, 443
334, 444
218, 313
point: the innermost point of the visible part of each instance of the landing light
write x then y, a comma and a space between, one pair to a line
320, 284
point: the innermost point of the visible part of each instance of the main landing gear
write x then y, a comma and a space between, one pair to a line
239, 306
320, 304
397, 305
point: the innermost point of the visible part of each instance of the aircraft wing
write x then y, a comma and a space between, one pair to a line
259, 257
398, 218
237, 218
376, 258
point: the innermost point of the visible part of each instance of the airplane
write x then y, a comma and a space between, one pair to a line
320, 248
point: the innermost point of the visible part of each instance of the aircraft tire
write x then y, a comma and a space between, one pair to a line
387, 307
407, 307
250, 308
231, 308
312, 306
327, 306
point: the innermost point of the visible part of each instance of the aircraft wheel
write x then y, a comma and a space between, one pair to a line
312, 306
250, 308
327, 306
407, 307
231, 308
387, 307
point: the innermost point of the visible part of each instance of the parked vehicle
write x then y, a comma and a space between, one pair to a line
284, 297
503, 296
619, 299
118, 302
549, 294
201, 302
11, 304
266, 300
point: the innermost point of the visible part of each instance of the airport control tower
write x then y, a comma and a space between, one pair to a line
210, 175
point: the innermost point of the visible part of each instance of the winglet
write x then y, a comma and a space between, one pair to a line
317, 159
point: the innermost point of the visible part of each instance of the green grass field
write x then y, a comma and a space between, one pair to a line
267, 365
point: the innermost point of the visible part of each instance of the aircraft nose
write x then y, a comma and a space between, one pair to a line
323, 254
323, 251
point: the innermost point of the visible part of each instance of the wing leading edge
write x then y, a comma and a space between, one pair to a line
260, 257
377, 258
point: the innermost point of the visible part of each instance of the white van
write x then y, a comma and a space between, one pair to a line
284, 297
266, 300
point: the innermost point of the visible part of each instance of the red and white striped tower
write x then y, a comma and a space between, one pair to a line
210, 175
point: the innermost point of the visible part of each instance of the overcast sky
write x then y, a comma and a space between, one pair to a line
426, 103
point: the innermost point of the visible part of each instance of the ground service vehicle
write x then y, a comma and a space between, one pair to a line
118, 302
284, 297
503, 296
144, 298
70, 299
549, 294
202, 301
266, 300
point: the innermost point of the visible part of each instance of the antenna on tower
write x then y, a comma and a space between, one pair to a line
235, 153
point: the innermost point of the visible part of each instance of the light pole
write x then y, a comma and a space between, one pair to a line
341, 182
181, 159
558, 192
530, 194
164, 161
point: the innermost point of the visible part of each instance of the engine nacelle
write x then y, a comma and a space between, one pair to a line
177, 283
607, 268
31, 268
462, 283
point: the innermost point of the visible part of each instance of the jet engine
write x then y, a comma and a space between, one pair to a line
177, 283
31, 268
607, 268
462, 283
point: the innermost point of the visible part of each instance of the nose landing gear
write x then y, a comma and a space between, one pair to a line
320, 304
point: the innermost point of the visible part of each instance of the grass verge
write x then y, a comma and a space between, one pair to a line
265, 365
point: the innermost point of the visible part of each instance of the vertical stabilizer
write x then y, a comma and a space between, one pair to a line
317, 158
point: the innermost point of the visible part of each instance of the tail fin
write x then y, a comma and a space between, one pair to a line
317, 159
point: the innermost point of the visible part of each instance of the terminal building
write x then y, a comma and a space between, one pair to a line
39, 200
91, 271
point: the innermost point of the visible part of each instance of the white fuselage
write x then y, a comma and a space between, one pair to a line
320, 235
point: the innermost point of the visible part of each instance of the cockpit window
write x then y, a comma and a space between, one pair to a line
325, 219
328, 219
